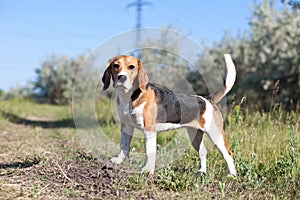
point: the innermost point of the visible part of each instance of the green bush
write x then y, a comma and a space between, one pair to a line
267, 57
55, 79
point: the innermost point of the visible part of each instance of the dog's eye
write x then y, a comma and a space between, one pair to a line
131, 67
116, 66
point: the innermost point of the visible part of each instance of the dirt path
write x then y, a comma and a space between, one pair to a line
39, 162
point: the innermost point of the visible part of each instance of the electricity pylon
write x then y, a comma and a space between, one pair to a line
139, 5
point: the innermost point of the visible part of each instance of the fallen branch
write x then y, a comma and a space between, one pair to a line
62, 171
41, 190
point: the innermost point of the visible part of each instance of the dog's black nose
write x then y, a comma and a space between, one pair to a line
122, 78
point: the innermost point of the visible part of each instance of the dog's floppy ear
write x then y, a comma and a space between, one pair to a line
107, 74
143, 77
106, 78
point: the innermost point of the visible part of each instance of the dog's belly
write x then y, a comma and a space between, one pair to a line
136, 121
166, 126
159, 127
169, 126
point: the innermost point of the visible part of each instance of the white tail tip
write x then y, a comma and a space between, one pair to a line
231, 73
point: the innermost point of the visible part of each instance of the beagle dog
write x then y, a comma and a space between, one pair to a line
152, 109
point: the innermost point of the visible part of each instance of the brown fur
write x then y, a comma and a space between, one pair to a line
142, 77
150, 109
219, 121
124, 63
201, 118
225, 143
218, 95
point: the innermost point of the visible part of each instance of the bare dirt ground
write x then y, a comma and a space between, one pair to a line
39, 160
41, 157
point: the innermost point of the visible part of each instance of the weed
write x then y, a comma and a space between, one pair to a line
266, 151
221, 187
33, 191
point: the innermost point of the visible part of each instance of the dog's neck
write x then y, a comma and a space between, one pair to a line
124, 96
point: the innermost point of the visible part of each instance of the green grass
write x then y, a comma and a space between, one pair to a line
266, 148
26, 107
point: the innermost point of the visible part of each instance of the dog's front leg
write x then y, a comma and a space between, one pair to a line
150, 145
126, 137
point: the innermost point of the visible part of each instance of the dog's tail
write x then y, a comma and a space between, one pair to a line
228, 82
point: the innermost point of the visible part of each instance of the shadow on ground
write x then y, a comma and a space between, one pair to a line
23, 164
63, 123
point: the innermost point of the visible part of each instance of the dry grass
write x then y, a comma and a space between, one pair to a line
42, 157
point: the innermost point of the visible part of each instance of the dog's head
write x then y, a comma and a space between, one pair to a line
126, 73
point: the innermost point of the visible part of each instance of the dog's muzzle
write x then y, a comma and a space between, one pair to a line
122, 78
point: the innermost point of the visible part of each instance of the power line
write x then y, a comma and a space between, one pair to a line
139, 5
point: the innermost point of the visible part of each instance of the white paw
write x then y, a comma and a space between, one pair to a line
201, 171
117, 160
231, 173
231, 176
148, 169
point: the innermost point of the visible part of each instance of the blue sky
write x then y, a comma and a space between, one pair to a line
32, 30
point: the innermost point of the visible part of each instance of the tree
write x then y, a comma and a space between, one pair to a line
55, 79
266, 54
293, 3
17, 92
275, 42
164, 64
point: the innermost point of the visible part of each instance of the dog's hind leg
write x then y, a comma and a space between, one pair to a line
217, 136
196, 138
150, 146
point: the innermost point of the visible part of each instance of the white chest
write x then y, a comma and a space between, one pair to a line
131, 116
